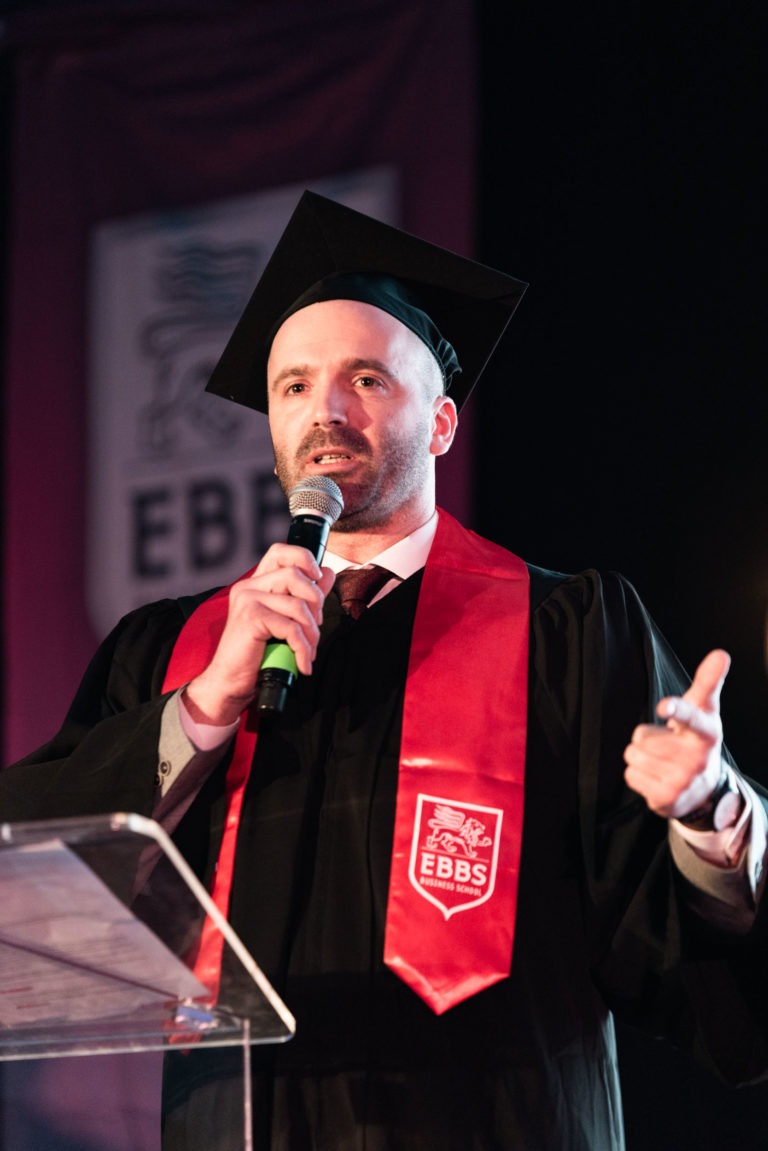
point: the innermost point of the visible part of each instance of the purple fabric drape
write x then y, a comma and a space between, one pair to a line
146, 107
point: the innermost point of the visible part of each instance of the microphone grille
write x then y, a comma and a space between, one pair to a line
316, 495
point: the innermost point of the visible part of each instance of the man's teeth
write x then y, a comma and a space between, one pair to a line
331, 457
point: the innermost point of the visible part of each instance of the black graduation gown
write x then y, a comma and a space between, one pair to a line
602, 922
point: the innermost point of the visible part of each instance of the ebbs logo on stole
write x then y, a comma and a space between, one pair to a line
454, 852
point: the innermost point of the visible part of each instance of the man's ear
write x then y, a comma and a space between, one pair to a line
445, 420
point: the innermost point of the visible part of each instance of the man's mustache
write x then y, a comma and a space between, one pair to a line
319, 439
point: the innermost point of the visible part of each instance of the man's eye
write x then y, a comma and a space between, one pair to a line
295, 388
368, 382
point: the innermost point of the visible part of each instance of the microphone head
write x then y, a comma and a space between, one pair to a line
318, 496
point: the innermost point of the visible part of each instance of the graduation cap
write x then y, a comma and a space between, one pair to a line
459, 307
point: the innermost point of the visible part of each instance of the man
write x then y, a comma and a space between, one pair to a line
439, 857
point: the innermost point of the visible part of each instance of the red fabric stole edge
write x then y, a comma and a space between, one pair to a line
458, 826
471, 620
192, 652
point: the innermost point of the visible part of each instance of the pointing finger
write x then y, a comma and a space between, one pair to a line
708, 681
700, 705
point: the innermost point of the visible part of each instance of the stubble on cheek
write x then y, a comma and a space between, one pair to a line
382, 482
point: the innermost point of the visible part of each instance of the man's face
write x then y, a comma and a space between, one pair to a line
355, 395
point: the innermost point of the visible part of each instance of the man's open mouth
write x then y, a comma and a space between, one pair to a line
331, 457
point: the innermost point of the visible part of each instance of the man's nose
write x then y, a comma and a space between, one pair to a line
331, 403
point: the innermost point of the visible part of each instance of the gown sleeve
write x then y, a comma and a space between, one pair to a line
104, 757
599, 666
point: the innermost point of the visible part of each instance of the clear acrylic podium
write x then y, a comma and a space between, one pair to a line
100, 918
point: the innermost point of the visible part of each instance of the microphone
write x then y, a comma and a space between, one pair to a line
315, 504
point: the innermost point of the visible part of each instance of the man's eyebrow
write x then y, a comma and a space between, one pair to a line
362, 363
356, 364
291, 373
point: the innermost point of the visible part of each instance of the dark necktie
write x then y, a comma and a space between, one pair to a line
356, 587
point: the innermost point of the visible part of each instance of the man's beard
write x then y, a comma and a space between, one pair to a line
373, 496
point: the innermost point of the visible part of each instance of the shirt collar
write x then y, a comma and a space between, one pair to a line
404, 558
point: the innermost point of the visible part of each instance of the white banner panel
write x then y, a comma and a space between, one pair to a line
182, 495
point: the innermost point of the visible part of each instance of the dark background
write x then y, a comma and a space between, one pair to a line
621, 172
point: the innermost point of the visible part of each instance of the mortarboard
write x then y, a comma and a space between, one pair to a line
470, 304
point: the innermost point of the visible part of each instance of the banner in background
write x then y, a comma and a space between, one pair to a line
182, 492
167, 146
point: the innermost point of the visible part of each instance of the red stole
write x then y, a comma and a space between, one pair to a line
458, 828
192, 652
